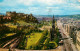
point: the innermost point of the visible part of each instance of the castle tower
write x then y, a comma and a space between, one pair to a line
8, 13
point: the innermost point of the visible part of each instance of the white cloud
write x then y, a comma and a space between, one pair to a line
39, 6
52, 7
74, 6
9, 3
33, 2
78, 7
79, 0
51, 2
43, 2
33, 8
27, 2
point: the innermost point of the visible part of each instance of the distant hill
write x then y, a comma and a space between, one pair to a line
69, 16
72, 16
2, 14
50, 15
40, 16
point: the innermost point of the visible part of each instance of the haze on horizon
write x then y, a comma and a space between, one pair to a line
41, 7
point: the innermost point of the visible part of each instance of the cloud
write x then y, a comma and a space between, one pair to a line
9, 3
79, 0
51, 2
38, 3
41, 6
41, 2
27, 2
31, 2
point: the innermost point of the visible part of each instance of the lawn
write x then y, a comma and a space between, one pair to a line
56, 45
11, 25
45, 28
33, 39
10, 34
22, 22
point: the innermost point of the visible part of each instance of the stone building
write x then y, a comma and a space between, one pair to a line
14, 14
78, 40
69, 28
26, 15
8, 18
20, 14
10, 13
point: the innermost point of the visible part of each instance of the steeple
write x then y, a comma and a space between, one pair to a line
53, 20
53, 29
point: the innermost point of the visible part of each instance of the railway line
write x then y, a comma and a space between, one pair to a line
8, 43
11, 43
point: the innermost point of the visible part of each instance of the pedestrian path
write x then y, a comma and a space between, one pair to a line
60, 48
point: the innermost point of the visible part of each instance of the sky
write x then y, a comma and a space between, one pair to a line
41, 7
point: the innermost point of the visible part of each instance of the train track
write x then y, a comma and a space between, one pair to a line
12, 44
9, 42
15, 43
3, 43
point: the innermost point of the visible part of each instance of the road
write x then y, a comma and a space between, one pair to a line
68, 43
